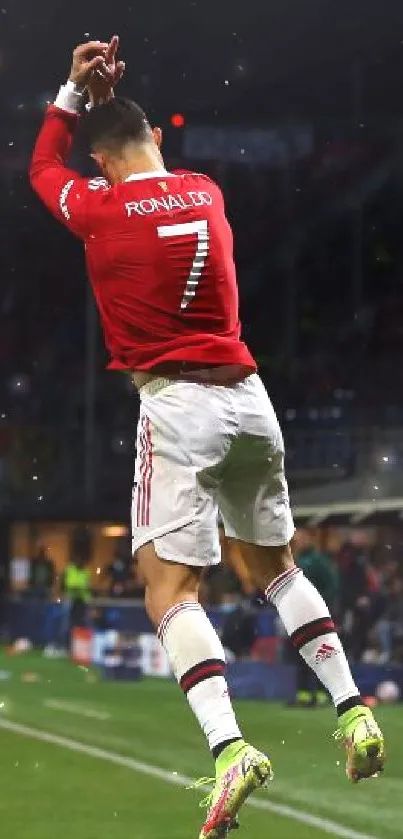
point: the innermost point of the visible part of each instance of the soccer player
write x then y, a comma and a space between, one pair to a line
159, 254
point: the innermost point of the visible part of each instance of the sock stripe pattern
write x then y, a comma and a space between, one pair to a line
202, 671
197, 659
280, 582
311, 630
180, 608
309, 625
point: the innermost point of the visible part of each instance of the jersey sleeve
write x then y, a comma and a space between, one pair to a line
64, 192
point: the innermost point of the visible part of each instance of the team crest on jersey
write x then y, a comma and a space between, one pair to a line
163, 185
98, 183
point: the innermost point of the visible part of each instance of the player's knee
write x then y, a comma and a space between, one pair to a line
266, 562
279, 559
166, 582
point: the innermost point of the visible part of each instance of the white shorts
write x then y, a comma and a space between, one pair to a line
201, 448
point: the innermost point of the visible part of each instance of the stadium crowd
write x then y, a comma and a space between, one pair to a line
358, 571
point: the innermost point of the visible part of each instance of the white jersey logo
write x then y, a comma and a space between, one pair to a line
63, 199
98, 183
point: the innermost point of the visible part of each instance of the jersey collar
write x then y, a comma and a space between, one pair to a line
143, 176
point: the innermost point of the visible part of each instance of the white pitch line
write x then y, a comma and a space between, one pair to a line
72, 708
327, 826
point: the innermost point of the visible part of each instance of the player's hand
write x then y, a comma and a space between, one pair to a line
87, 58
104, 79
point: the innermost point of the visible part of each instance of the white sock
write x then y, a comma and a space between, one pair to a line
308, 623
198, 661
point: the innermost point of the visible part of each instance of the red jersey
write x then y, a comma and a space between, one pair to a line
159, 254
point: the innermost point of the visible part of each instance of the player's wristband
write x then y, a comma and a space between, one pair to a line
69, 98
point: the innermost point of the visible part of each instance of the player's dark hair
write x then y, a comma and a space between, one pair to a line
115, 124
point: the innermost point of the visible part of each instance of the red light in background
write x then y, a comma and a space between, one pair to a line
177, 120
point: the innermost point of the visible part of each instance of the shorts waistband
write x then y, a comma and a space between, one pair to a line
154, 386
160, 383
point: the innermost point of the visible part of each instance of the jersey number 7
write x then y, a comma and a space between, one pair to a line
189, 229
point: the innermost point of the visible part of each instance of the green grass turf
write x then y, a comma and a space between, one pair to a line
48, 791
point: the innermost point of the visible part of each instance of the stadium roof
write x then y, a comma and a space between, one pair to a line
369, 499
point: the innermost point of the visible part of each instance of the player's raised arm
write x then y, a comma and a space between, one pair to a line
63, 190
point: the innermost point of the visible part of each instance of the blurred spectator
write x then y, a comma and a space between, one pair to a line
42, 574
355, 559
390, 627
76, 586
239, 630
98, 619
77, 580
317, 566
119, 571
321, 571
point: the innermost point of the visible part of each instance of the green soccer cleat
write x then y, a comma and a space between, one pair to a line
364, 743
240, 769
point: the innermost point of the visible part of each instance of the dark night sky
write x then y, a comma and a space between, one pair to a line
290, 55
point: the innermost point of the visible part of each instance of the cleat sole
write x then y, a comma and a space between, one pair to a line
223, 830
367, 761
259, 774
364, 744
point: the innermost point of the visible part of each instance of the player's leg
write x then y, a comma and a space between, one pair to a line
255, 508
174, 538
198, 661
313, 634
305, 617
191, 643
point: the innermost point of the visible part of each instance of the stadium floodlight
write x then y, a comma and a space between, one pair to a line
386, 460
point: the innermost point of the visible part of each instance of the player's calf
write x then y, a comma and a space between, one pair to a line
307, 620
198, 661
193, 647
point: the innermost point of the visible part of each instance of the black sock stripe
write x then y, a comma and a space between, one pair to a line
202, 671
201, 665
216, 751
202, 676
348, 704
310, 631
307, 626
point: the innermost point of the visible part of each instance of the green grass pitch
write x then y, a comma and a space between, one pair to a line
51, 792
